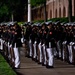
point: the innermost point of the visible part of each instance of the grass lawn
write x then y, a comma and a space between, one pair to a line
5, 69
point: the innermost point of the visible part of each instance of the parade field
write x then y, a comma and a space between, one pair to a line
5, 69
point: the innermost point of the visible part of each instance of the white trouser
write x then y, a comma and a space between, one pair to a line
40, 51
55, 52
63, 54
63, 51
22, 40
74, 47
9, 56
70, 52
34, 45
44, 48
17, 57
30, 48
1, 46
50, 56
58, 47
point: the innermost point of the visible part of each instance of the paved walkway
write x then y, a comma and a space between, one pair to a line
29, 67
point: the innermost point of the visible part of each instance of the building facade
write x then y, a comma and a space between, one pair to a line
54, 9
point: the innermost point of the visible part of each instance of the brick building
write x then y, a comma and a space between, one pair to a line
54, 9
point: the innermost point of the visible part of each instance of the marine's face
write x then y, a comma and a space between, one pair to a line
74, 27
70, 27
66, 27
49, 26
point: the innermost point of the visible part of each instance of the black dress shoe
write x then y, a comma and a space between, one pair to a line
36, 60
28, 56
39, 63
33, 58
43, 64
48, 67
16, 68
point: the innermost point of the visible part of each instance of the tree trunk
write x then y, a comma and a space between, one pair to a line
29, 11
12, 17
70, 10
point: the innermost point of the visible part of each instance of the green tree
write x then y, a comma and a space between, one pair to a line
17, 8
39, 2
3, 10
9, 7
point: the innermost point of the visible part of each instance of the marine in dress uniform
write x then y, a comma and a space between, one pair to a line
39, 42
16, 44
1, 42
27, 42
44, 46
49, 46
70, 44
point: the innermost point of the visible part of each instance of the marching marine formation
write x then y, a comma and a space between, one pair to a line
10, 39
48, 40
43, 42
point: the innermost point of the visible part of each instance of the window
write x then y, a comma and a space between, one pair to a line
59, 12
56, 13
50, 13
64, 12
47, 14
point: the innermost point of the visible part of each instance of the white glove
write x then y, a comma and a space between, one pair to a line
10, 45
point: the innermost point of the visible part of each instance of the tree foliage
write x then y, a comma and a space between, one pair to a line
7, 7
3, 10
37, 2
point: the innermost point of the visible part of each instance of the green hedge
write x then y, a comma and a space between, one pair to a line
59, 19
38, 21
64, 19
5, 69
